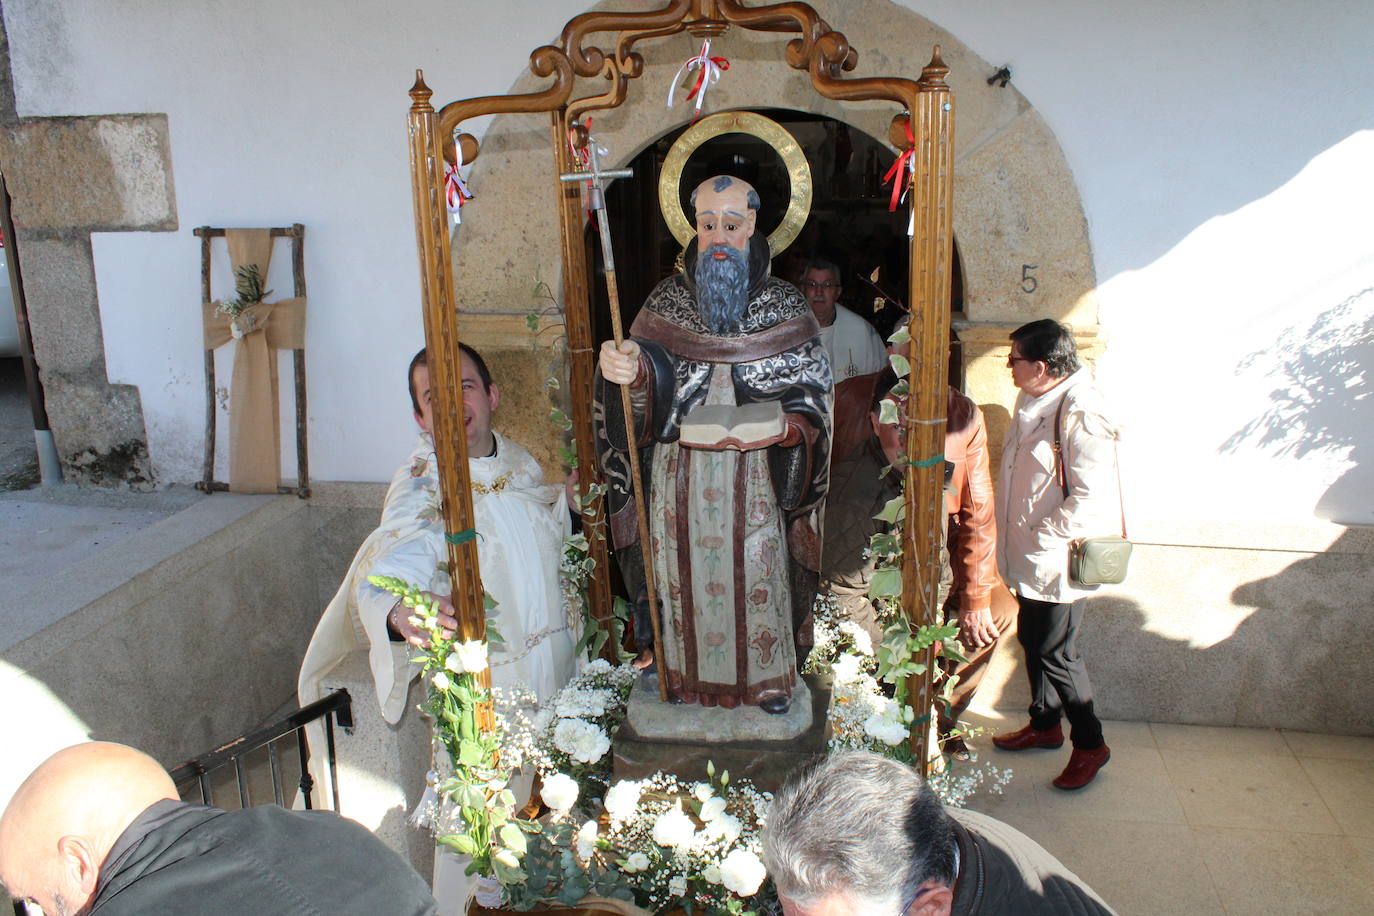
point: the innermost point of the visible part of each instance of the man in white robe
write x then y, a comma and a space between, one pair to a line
520, 524
851, 343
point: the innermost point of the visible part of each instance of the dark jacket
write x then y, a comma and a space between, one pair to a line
1003, 871
197, 861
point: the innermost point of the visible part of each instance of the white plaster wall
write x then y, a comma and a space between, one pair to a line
1221, 150
279, 112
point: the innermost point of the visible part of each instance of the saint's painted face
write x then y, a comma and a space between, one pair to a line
723, 214
478, 403
725, 223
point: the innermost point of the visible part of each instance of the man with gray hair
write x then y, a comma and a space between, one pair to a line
857, 834
853, 346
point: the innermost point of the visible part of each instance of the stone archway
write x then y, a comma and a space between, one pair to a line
1017, 212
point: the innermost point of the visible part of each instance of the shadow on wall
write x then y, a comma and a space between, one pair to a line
1323, 401
1297, 662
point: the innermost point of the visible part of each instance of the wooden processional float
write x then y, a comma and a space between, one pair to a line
923, 130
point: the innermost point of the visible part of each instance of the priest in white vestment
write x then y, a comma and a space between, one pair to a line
520, 523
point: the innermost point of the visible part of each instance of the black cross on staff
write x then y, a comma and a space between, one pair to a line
596, 202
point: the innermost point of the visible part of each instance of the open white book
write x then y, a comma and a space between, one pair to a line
722, 426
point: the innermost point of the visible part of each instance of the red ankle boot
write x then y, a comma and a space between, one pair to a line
1083, 767
1030, 737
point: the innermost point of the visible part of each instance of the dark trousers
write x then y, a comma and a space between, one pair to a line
1048, 632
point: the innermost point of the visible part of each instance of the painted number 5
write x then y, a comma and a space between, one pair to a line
1028, 283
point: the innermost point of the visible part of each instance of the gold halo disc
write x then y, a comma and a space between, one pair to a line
737, 122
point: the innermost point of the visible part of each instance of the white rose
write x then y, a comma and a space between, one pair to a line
678, 886
711, 874
702, 791
469, 657
886, 729
586, 841
726, 827
441, 680
581, 740
712, 808
886, 707
637, 862
742, 872
572, 704
846, 669
559, 791
673, 828
622, 799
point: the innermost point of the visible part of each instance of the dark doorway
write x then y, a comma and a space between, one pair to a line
849, 222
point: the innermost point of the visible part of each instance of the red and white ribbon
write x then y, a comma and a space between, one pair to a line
583, 157
709, 70
455, 189
901, 171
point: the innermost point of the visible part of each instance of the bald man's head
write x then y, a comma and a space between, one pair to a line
65, 817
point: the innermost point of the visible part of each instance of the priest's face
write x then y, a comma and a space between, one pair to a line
479, 400
821, 288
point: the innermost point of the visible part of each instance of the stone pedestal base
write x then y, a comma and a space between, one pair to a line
751, 744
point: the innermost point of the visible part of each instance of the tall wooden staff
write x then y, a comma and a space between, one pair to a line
446, 375
932, 123
596, 202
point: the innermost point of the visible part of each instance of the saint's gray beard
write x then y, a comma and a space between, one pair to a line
722, 288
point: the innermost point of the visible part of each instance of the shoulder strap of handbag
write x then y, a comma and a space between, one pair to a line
1062, 466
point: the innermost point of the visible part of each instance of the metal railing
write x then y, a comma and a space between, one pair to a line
336, 706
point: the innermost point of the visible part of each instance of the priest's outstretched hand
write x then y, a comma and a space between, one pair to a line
403, 623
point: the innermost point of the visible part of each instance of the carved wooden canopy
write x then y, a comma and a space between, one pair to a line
923, 125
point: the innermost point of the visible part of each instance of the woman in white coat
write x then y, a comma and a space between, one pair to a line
1038, 516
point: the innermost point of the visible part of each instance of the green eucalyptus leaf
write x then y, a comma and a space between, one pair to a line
887, 412
513, 838
460, 843
950, 650
892, 510
886, 583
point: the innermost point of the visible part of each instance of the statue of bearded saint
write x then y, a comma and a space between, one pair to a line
731, 394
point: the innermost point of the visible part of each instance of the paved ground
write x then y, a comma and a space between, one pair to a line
1197, 820
18, 459
46, 530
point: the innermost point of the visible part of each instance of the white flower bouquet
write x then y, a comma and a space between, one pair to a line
660, 843
572, 734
